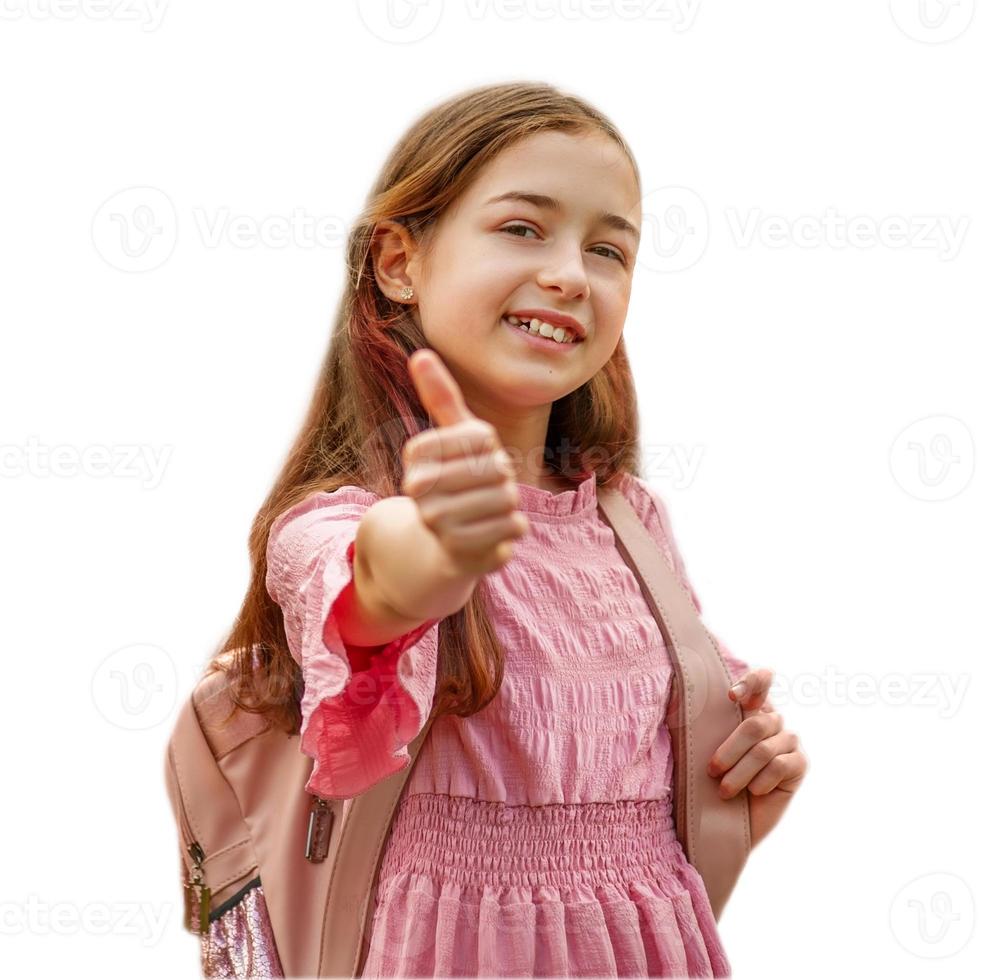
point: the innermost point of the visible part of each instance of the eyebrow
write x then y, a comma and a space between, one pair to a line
551, 204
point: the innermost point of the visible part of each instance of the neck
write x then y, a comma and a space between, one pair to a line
522, 433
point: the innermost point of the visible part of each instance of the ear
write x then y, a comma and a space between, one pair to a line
393, 250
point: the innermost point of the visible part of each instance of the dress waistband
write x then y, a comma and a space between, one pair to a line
480, 841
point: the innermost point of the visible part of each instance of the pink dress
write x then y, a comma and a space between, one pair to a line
534, 838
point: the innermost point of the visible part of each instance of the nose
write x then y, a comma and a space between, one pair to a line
566, 274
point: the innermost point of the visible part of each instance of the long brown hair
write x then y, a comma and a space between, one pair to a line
365, 406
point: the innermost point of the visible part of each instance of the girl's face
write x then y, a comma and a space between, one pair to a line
492, 254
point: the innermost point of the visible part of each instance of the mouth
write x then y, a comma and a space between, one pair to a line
539, 340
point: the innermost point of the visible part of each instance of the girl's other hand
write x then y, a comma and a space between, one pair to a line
760, 756
459, 475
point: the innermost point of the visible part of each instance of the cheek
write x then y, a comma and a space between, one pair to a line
606, 344
459, 340
610, 320
470, 285
610, 309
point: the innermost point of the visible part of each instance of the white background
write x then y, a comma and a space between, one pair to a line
802, 332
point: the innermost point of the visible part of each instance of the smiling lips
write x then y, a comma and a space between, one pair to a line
553, 317
544, 344
535, 327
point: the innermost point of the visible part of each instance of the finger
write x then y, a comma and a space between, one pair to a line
782, 772
485, 563
473, 539
754, 762
437, 388
465, 440
452, 475
747, 733
751, 689
447, 513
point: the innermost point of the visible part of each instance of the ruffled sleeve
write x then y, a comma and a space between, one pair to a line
654, 514
357, 718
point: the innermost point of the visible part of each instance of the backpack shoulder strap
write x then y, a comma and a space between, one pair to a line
715, 832
354, 875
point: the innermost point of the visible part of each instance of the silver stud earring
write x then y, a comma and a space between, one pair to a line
406, 294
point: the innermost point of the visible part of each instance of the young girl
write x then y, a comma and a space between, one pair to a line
433, 543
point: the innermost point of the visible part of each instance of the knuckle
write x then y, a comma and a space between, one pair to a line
502, 460
477, 429
471, 437
449, 539
416, 448
454, 536
432, 513
420, 478
488, 435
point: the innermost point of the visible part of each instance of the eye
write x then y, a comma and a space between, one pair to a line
519, 227
612, 252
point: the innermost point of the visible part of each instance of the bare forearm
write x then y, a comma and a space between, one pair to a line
401, 577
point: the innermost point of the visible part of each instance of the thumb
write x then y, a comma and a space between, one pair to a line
440, 394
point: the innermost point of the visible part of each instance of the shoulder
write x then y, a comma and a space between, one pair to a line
645, 500
343, 503
642, 496
652, 510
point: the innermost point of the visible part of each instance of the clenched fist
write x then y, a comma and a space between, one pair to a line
459, 475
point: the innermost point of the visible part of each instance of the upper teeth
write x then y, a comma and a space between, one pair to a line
544, 329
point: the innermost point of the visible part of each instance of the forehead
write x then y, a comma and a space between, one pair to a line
587, 173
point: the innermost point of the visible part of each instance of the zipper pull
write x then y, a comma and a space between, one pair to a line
318, 830
197, 894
